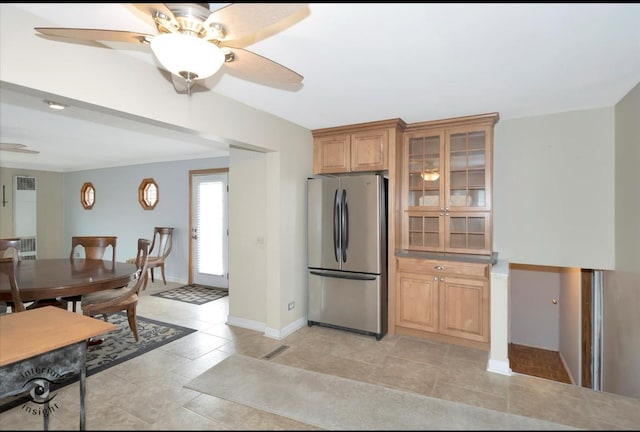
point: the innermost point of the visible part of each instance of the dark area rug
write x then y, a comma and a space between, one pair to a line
118, 346
194, 294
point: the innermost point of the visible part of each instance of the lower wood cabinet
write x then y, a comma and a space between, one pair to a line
443, 297
417, 301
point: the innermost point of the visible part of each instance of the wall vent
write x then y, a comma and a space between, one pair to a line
28, 248
25, 215
25, 183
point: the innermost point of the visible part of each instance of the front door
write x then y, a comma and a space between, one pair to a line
209, 228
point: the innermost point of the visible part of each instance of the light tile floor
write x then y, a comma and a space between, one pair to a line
147, 393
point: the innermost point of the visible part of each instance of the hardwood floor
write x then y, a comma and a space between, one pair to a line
537, 362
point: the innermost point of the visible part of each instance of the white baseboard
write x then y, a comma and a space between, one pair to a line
499, 366
291, 328
245, 323
268, 332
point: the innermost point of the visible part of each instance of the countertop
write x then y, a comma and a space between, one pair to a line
482, 259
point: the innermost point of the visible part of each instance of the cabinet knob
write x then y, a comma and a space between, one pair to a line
435, 278
441, 279
438, 267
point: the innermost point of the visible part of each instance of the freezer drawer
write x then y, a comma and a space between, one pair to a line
338, 300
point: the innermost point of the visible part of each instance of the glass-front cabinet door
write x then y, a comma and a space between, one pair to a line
459, 232
426, 231
468, 232
424, 176
469, 169
447, 184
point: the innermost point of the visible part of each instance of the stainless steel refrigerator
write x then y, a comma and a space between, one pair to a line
347, 260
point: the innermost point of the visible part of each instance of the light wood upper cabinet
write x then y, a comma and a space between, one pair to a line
354, 148
370, 150
447, 185
332, 154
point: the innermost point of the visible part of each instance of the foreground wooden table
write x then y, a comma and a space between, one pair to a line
43, 346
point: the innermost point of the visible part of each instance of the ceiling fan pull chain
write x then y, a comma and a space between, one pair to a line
188, 77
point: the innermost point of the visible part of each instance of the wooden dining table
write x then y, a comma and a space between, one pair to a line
51, 278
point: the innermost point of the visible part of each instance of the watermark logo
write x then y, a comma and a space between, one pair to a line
40, 390
38, 382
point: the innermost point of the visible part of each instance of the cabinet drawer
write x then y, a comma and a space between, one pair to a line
416, 265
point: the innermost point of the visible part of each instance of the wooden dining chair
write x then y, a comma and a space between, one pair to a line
11, 245
8, 270
120, 299
160, 250
94, 248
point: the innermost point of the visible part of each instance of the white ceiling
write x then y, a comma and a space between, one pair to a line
361, 62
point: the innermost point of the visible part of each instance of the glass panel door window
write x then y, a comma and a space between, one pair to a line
209, 230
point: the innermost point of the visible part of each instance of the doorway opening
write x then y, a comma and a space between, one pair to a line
550, 323
209, 227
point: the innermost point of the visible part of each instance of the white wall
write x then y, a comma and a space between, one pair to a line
554, 189
117, 212
50, 238
274, 202
627, 181
535, 320
248, 236
570, 333
621, 296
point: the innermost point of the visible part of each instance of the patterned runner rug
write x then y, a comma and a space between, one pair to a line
195, 294
118, 346
333, 403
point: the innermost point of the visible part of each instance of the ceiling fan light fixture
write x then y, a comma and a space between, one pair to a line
186, 55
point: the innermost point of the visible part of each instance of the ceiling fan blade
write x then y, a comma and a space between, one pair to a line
96, 34
241, 19
16, 148
21, 151
251, 64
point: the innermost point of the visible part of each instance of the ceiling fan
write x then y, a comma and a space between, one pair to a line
16, 148
193, 43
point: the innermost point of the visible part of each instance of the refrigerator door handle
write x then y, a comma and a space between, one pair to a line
343, 276
344, 240
336, 226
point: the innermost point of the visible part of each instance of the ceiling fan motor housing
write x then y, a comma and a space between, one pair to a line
190, 19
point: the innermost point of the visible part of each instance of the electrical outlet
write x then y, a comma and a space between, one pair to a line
291, 305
